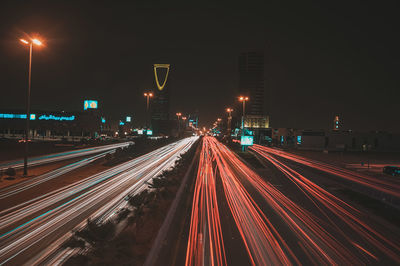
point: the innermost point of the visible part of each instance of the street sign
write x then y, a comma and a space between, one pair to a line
246, 140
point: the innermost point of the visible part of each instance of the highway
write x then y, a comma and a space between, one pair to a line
298, 223
32, 231
37, 180
34, 161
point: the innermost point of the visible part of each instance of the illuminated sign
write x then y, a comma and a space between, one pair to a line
103, 120
299, 140
246, 140
128, 119
166, 66
17, 116
140, 131
57, 118
89, 104
149, 132
121, 123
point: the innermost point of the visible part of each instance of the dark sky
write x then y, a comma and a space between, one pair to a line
321, 58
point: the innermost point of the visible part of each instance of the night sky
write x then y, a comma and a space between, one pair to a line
321, 59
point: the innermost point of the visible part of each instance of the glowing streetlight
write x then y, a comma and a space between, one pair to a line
229, 110
148, 95
243, 99
179, 124
29, 42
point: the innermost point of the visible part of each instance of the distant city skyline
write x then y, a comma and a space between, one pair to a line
346, 63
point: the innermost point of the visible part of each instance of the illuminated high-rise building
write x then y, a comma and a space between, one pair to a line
161, 103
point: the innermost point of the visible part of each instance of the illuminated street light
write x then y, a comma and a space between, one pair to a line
229, 110
179, 124
30, 42
243, 99
148, 95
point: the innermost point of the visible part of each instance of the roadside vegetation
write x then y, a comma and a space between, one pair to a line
128, 238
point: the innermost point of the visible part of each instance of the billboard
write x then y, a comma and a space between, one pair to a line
246, 140
149, 132
89, 104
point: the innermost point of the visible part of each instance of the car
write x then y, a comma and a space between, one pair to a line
392, 170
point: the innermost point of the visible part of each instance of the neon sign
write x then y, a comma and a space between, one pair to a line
149, 132
17, 116
128, 119
89, 104
160, 87
57, 118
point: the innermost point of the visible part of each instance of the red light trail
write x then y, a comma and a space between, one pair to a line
332, 233
205, 236
365, 180
348, 214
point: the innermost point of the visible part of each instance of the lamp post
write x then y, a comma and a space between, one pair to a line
29, 42
229, 110
179, 124
148, 95
243, 99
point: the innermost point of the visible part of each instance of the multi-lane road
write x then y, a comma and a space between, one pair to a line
32, 231
284, 213
55, 157
240, 217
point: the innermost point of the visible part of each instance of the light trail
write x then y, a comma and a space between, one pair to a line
365, 180
205, 242
52, 216
62, 156
263, 243
32, 182
318, 238
351, 217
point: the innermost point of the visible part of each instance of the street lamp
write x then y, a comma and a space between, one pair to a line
229, 110
148, 95
179, 125
29, 42
243, 99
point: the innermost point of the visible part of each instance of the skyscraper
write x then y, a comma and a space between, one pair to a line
251, 81
251, 84
160, 108
160, 115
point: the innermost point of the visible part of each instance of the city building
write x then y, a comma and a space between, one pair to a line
160, 107
251, 84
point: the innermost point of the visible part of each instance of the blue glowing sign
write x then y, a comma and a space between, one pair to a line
299, 140
103, 120
17, 116
246, 140
89, 104
121, 123
128, 119
282, 139
57, 118
149, 132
